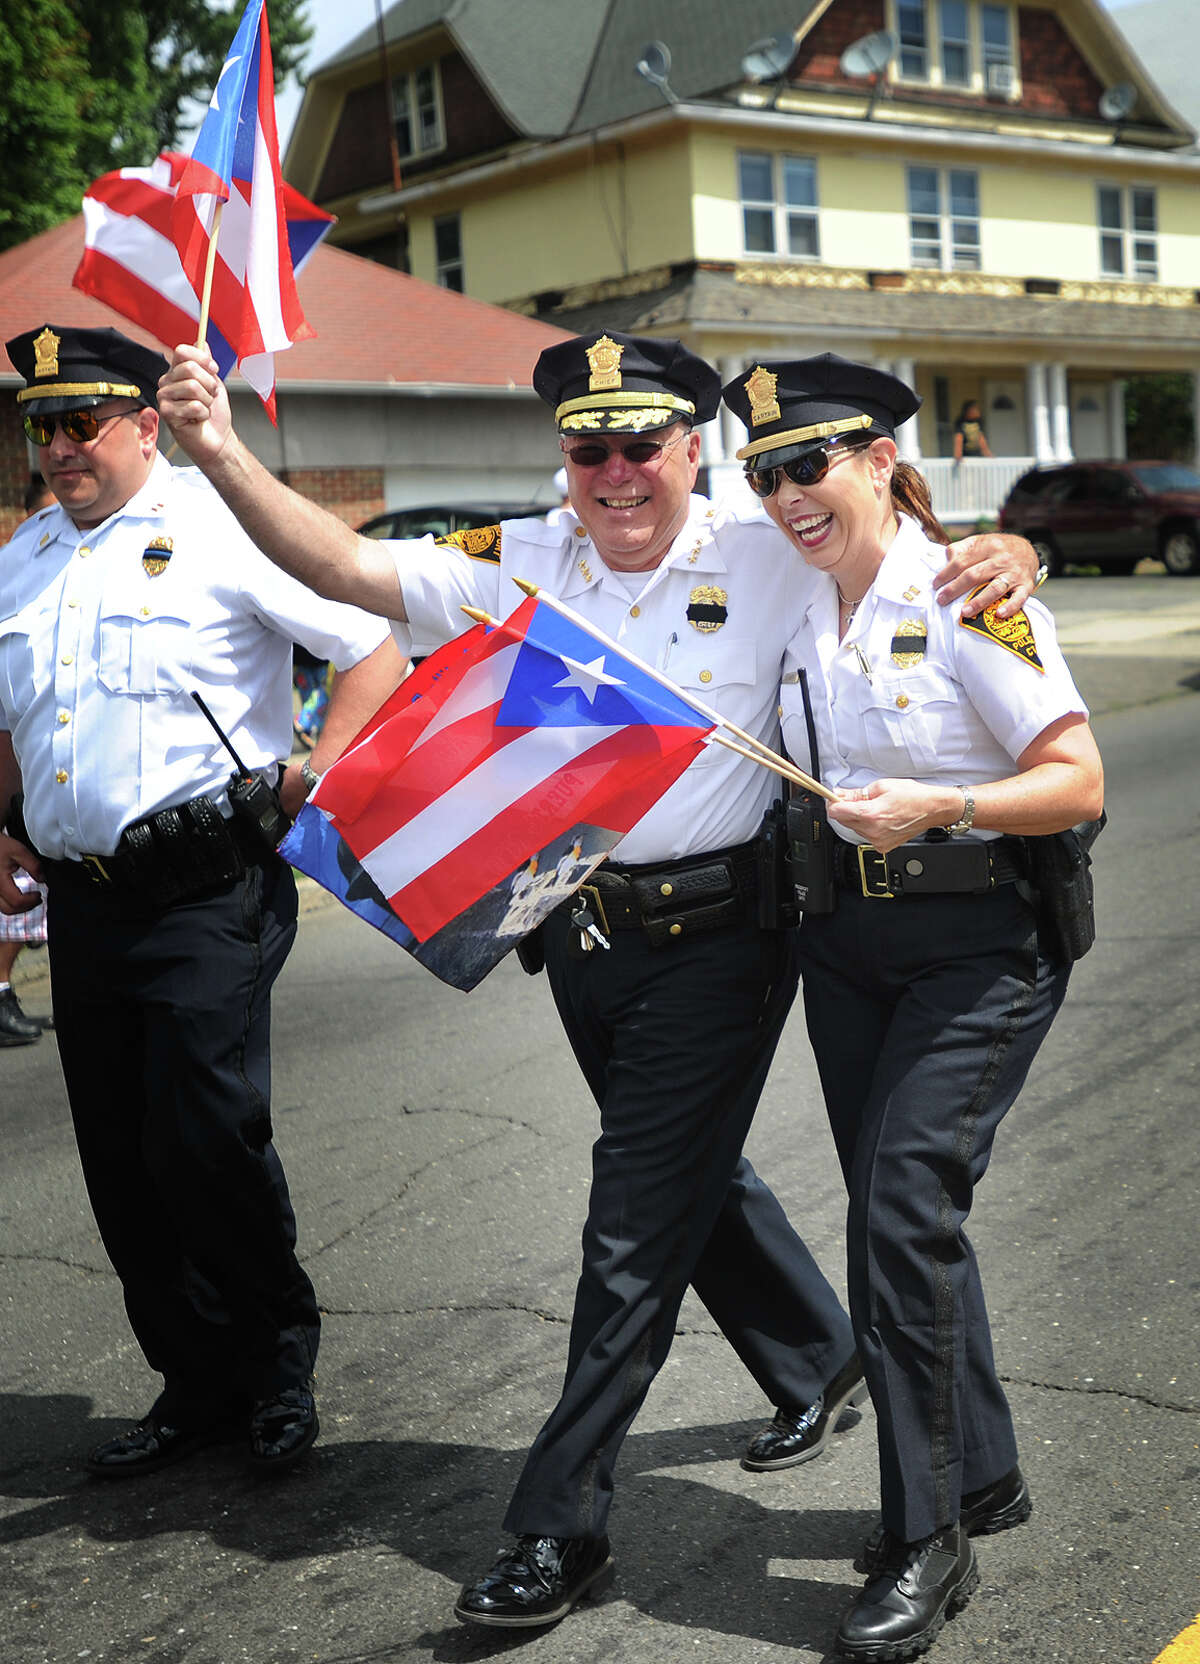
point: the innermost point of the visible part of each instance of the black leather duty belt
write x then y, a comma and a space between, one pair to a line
673, 899
969, 866
170, 857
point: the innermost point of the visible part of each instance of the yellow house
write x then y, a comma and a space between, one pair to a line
991, 198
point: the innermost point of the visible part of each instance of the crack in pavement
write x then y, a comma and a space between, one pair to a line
57, 1259
1089, 1391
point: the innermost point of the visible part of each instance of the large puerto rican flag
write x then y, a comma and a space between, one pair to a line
490, 785
131, 263
235, 161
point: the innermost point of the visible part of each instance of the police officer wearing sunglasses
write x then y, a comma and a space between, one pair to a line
169, 916
670, 988
957, 745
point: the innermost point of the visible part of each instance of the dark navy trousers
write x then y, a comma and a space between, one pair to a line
162, 1022
925, 1015
675, 1043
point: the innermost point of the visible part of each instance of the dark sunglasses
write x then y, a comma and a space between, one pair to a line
80, 426
639, 452
806, 470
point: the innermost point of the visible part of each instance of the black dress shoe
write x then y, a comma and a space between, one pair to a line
537, 1581
902, 1609
153, 1443
16, 1029
283, 1428
797, 1436
996, 1507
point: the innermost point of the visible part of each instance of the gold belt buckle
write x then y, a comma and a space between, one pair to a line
878, 876
593, 890
97, 871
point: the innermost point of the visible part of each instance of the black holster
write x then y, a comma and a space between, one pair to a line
777, 908
1060, 873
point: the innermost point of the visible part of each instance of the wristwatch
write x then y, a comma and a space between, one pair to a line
968, 815
309, 775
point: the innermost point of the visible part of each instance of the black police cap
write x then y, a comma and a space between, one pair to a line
793, 406
606, 382
73, 369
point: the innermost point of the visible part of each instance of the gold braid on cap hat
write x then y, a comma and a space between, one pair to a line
797, 436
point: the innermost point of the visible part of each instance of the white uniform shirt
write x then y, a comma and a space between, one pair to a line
98, 658
720, 798
910, 693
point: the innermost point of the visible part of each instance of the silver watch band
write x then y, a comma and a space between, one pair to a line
967, 820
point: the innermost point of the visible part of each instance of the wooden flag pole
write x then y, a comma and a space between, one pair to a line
762, 753
206, 293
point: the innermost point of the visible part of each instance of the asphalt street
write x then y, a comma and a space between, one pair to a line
437, 1146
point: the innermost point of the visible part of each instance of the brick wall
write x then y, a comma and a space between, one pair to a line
1055, 79
14, 476
353, 494
820, 51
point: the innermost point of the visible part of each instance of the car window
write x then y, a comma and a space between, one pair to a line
1107, 487
1167, 476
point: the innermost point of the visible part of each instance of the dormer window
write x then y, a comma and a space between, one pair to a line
967, 45
417, 104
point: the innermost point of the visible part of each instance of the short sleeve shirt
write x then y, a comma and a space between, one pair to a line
106, 633
715, 616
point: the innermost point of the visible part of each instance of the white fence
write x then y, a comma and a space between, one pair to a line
962, 492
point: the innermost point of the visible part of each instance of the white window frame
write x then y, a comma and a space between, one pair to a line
404, 93
1128, 240
444, 267
989, 74
949, 246
780, 210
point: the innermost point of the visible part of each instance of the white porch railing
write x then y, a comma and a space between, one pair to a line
962, 492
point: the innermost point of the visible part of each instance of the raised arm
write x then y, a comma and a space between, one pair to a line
1006, 564
305, 540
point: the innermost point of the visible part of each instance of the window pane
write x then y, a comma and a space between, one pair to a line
997, 44
956, 64
1144, 215
802, 235
404, 139
754, 176
923, 191
1112, 256
964, 193
956, 42
910, 19
1145, 260
800, 182
759, 228
1110, 208
447, 239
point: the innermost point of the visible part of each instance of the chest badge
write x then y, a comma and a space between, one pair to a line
706, 608
909, 643
1015, 634
156, 555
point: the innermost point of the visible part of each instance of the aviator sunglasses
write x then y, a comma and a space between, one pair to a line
80, 426
806, 470
639, 452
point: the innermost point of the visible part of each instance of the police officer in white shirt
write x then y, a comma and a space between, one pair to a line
930, 980
170, 914
675, 1020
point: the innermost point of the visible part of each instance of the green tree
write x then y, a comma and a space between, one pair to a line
1158, 416
92, 85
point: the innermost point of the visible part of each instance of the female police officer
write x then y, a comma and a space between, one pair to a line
951, 741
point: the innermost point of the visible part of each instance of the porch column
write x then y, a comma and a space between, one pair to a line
908, 437
1060, 412
1039, 413
1116, 420
723, 434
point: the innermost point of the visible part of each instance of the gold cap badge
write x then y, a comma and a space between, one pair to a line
760, 389
604, 362
45, 353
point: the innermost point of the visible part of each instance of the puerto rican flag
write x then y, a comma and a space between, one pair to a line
235, 161
489, 786
131, 263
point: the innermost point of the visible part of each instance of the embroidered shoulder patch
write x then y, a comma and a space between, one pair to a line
480, 542
1015, 633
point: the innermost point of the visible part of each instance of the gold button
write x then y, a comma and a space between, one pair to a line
666, 889
62, 777
84, 551
676, 930
902, 702
63, 718
143, 612
706, 675
581, 531
635, 612
72, 602
67, 658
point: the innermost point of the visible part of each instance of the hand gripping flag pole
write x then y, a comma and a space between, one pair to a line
758, 752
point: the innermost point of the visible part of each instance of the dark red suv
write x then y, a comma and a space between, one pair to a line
1109, 514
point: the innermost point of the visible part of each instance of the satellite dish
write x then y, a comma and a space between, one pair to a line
1116, 102
654, 66
870, 54
770, 57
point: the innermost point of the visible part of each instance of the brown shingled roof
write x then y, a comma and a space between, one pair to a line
375, 327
